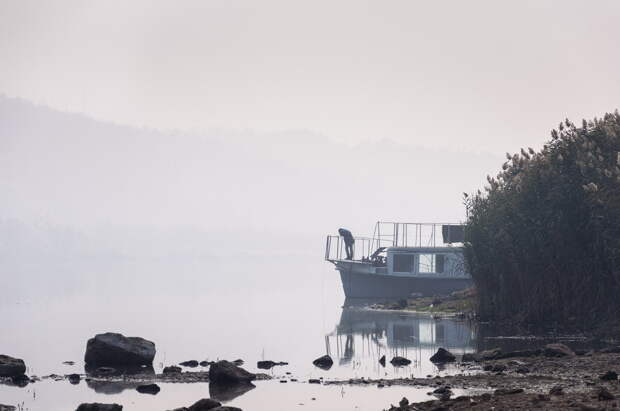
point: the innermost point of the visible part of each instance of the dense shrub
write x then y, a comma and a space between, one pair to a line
543, 239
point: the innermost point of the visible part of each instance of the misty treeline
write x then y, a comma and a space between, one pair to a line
543, 239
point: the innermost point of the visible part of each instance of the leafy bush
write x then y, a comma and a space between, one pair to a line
543, 239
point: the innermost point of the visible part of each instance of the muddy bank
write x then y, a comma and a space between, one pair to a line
457, 303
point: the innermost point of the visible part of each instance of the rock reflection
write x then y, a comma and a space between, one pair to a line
223, 392
364, 335
107, 380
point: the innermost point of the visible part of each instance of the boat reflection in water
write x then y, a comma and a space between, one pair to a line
363, 336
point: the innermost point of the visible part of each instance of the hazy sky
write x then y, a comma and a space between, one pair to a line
480, 75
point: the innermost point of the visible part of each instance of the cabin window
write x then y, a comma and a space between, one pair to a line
431, 263
426, 263
403, 263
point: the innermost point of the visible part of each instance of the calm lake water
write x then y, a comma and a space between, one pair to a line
280, 309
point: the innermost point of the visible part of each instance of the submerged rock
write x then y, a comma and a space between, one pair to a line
148, 389
116, 349
325, 362
442, 356
99, 407
557, 350
224, 372
10, 366
400, 361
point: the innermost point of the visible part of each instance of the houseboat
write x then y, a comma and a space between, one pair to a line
402, 260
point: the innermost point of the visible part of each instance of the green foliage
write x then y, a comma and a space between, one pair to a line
543, 239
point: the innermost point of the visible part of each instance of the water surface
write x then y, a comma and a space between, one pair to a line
252, 308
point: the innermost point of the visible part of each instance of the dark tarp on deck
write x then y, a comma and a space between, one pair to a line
453, 233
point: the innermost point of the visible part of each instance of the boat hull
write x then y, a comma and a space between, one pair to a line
365, 285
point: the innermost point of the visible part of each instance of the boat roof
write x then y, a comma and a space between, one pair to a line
430, 250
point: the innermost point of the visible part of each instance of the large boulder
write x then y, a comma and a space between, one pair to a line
116, 349
224, 372
557, 350
100, 407
11, 367
442, 356
325, 362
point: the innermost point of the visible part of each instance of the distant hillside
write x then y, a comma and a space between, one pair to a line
74, 171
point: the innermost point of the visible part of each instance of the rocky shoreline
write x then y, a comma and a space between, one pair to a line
554, 378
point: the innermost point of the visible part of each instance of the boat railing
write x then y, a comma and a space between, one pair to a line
335, 248
395, 234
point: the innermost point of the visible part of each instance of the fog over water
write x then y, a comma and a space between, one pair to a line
211, 246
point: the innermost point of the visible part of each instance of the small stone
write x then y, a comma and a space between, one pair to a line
557, 390
100, 407
604, 395
468, 357
488, 354
204, 404
314, 381
609, 376
403, 403
400, 361
325, 362
190, 363
172, 369
382, 360
442, 356
508, 391
148, 389
74, 378
499, 368
557, 350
